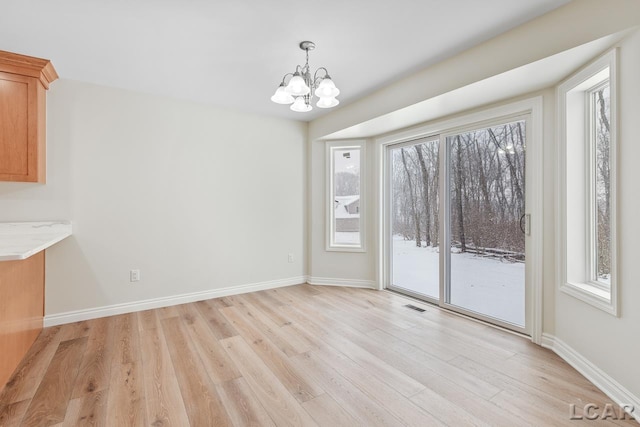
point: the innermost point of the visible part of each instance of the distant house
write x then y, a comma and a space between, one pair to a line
347, 213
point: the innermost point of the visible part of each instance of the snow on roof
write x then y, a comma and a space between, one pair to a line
347, 200
341, 207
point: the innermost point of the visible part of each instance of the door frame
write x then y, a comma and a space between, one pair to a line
533, 107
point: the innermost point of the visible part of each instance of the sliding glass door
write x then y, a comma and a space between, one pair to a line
486, 195
466, 250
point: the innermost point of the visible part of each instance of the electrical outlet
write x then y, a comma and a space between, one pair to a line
290, 258
134, 275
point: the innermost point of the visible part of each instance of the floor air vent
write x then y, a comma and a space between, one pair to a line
413, 307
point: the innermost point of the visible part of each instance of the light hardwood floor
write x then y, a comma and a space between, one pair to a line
300, 355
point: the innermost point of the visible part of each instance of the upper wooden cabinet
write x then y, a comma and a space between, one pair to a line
23, 84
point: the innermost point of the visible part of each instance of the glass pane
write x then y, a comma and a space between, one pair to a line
487, 193
602, 187
346, 196
415, 225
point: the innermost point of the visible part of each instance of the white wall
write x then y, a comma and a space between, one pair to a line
197, 198
611, 343
341, 267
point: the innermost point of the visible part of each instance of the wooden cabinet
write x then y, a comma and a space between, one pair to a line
23, 84
21, 310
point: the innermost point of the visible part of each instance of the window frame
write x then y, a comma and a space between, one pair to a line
576, 132
331, 148
592, 223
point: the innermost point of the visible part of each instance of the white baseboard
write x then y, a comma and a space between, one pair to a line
616, 391
352, 283
111, 310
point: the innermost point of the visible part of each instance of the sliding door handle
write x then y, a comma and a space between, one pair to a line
525, 224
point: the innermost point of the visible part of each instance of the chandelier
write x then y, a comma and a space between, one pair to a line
301, 87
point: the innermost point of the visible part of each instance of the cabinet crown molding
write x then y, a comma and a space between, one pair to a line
41, 69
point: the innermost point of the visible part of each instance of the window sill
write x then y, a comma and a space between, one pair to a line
345, 248
592, 295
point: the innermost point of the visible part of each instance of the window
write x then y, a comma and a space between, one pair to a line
587, 102
600, 209
345, 162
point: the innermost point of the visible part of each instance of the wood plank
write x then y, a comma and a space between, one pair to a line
327, 412
353, 400
148, 319
164, 404
89, 410
276, 400
242, 404
11, 415
531, 410
95, 370
266, 304
214, 359
447, 412
551, 398
483, 410
49, 404
167, 312
326, 329
72, 415
127, 344
298, 384
287, 344
126, 402
471, 383
218, 324
218, 303
343, 316
26, 379
74, 330
394, 402
201, 400
381, 319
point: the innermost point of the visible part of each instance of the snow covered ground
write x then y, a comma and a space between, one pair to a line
484, 285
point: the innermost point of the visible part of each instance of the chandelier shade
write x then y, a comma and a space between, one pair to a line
281, 96
300, 105
301, 86
327, 102
297, 86
327, 89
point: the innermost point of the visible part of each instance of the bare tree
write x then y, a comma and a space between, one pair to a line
603, 182
487, 191
413, 200
459, 189
425, 194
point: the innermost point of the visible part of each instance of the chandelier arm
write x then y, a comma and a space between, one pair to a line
326, 73
285, 77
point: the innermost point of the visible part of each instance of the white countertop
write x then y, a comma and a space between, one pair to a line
20, 240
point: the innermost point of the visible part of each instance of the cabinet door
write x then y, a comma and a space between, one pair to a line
21, 156
21, 310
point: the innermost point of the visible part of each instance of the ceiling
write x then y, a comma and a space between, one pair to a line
526, 79
233, 53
